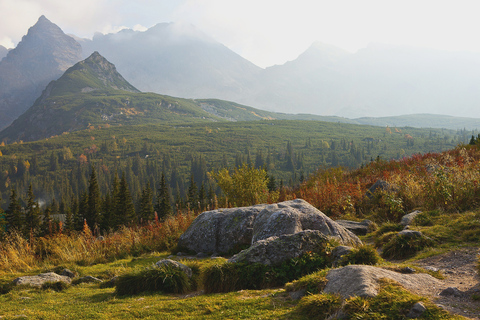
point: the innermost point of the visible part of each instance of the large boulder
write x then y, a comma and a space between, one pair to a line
275, 250
221, 230
363, 281
224, 230
297, 215
39, 280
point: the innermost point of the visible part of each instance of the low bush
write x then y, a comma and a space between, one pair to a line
225, 276
402, 246
319, 306
55, 285
5, 287
165, 279
362, 255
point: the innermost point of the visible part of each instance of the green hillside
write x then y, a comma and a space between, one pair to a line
290, 150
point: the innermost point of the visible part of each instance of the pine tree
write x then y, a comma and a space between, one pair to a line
146, 210
163, 207
14, 213
32, 214
93, 213
192, 193
124, 209
202, 196
46, 228
82, 209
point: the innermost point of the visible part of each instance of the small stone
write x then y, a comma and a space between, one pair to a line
179, 254
430, 268
451, 291
202, 255
417, 310
67, 273
297, 295
88, 279
175, 264
408, 270
408, 218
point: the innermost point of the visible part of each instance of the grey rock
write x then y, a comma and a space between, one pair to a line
275, 250
363, 280
408, 218
67, 273
220, 230
88, 279
39, 280
417, 310
224, 230
410, 234
338, 252
297, 215
358, 228
174, 264
408, 270
430, 268
297, 295
378, 185
451, 291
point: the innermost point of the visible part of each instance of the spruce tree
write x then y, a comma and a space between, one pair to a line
47, 221
202, 197
192, 193
14, 213
32, 214
163, 206
124, 208
94, 202
146, 210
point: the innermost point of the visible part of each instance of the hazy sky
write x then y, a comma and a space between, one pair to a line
265, 32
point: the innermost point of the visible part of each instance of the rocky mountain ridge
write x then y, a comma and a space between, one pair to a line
42, 55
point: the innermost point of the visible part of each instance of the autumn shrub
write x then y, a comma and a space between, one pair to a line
82, 248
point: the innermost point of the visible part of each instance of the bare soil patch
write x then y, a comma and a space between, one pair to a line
460, 270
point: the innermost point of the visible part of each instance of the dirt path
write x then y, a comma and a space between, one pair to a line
460, 270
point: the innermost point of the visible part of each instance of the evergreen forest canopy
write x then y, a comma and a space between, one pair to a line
165, 167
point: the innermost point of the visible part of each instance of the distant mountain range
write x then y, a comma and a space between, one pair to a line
179, 60
42, 56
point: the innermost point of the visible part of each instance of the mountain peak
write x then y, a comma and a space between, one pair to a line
92, 74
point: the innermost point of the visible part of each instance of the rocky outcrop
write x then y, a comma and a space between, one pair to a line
223, 230
293, 216
275, 250
220, 230
363, 281
39, 280
42, 56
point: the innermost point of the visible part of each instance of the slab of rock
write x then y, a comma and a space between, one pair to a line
363, 281
39, 280
275, 250
220, 230
297, 215
175, 264
358, 228
223, 230
88, 279
378, 185
408, 218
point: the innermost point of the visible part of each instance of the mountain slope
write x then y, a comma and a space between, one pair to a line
42, 56
177, 60
3, 52
90, 93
